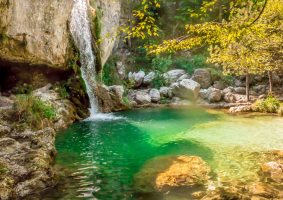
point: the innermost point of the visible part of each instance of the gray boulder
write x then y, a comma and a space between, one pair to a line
137, 77
239, 83
173, 75
253, 93
149, 78
185, 76
131, 95
164, 92
203, 93
155, 95
143, 97
229, 98
214, 95
258, 78
187, 89
176, 100
121, 71
276, 79
218, 85
240, 90
203, 77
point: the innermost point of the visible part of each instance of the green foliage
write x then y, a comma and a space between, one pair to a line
130, 84
32, 111
109, 75
160, 80
270, 105
127, 101
217, 75
62, 91
2, 169
161, 63
190, 64
23, 89
163, 100
98, 24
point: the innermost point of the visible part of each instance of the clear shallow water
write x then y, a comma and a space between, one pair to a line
103, 153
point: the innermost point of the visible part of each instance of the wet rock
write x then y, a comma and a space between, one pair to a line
218, 85
214, 95
171, 171
187, 89
240, 90
271, 171
173, 75
121, 71
203, 77
149, 78
143, 97
229, 98
155, 95
240, 109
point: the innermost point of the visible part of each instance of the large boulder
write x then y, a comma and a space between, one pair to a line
214, 95
173, 75
164, 91
260, 88
203, 93
185, 76
187, 89
229, 98
142, 97
171, 171
149, 78
155, 95
121, 71
203, 77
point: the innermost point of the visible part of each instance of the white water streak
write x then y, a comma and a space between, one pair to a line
80, 29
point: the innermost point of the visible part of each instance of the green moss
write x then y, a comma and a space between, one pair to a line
97, 24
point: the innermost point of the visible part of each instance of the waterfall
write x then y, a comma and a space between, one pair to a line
80, 29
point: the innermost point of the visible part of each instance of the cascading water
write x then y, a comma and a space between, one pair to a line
80, 29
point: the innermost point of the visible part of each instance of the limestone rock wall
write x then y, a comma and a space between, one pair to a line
35, 32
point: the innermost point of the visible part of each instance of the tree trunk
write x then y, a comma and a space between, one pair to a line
247, 87
270, 82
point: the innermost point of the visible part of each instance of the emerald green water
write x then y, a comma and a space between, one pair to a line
103, 154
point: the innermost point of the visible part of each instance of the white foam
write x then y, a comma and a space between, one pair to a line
104, 117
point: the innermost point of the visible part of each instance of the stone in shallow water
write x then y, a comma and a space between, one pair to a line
172, 171
271, 171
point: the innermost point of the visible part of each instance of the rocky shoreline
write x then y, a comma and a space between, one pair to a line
27, 155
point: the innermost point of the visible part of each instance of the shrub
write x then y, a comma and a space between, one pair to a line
160, 80
217, 74
161, 64
23, 89
270, 105
62, 91
127, 101
163, 100
32, 110
190, 64
130, 84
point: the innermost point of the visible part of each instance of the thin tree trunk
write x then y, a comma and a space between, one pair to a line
270, 82
247, 87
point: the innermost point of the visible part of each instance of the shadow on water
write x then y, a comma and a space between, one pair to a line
102, 156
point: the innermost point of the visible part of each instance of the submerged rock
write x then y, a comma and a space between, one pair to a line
271, 171
171, 171
203, 77
187, 89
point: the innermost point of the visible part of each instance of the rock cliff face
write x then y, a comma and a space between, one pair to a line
35, 32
